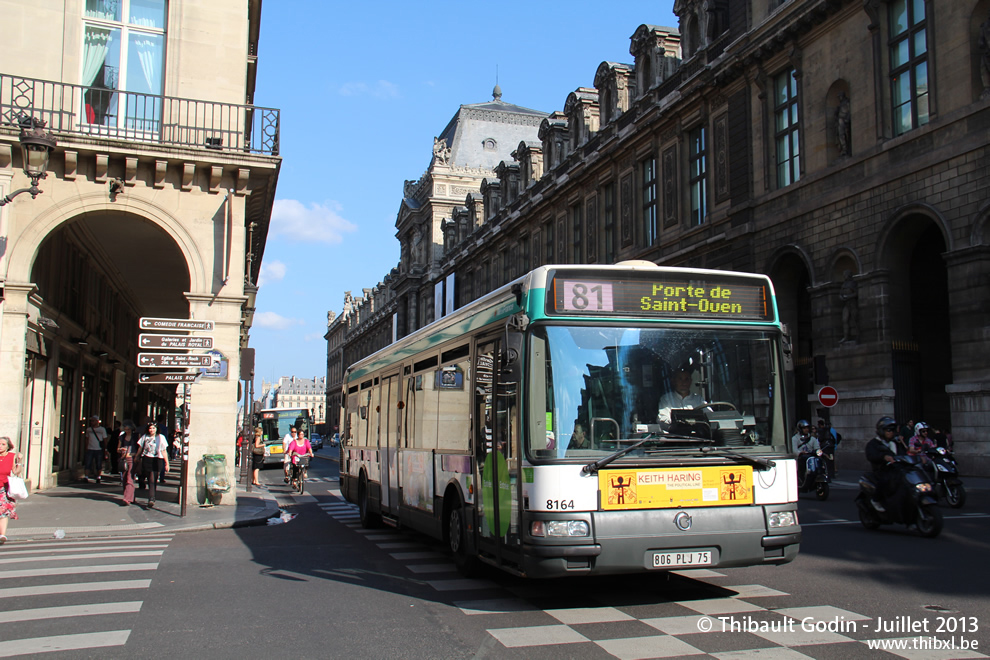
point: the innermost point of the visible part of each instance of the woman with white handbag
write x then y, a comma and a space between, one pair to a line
10, 463
152, 447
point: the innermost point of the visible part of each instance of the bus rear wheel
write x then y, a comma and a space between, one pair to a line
456, 528
369, 520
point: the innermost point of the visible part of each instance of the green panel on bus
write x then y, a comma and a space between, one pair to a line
672, 295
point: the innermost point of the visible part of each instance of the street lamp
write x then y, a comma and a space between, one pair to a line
36, 147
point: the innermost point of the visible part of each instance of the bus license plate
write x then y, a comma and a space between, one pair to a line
682, 558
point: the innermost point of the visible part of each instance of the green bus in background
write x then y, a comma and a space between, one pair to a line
275, 424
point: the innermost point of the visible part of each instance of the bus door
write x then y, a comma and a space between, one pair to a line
497, 455
389, 443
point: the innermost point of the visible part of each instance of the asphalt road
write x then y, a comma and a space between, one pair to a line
318, 586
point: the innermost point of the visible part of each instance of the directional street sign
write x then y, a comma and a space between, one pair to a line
181, 342
148, 379
178, 360
150, 323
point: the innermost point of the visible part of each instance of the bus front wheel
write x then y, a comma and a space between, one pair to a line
466, 563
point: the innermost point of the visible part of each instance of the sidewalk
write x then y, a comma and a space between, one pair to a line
88, 509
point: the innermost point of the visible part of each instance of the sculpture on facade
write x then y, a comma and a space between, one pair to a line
843, 131
985, 58
849, 295
441, 152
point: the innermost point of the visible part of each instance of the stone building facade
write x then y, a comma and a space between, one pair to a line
156, 203
309, 393
839, 146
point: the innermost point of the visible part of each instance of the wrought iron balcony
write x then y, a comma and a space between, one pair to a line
110, 113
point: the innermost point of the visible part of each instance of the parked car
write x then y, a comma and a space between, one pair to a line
335, 440
316, 441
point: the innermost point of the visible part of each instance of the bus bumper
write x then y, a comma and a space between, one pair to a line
627, 541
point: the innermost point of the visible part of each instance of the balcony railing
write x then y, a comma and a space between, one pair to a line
166, 120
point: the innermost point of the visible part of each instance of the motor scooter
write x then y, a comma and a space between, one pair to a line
816, 476
913, 501
945, 475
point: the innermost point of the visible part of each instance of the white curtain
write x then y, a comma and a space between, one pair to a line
149, 53
94, 54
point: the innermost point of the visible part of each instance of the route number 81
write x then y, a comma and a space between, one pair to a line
587, 297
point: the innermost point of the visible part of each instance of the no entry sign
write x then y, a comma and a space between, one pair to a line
827, 396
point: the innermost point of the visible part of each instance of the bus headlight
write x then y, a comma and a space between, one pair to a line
560, 528
782, 519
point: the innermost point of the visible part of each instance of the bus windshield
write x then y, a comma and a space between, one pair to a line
275, 423
604, 388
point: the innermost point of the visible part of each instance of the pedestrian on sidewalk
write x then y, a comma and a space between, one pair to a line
128, 451
257, 455
10, 463
153, 447
96, 448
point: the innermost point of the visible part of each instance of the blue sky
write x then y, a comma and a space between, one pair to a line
363, 88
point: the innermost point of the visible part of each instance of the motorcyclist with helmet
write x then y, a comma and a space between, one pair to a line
880, 452
807, 447
920, 442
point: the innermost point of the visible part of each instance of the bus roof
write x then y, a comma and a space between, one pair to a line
528, 293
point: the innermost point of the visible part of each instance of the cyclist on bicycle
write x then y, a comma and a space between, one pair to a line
298, 448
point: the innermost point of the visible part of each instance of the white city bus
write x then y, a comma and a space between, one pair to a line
526, 429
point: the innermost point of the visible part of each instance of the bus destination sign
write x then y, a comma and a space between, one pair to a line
668, 295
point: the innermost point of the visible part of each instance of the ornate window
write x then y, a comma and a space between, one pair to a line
787, 130
698, 173
123, 63
577, 252
649, 180
908, 65
608, 223
548, 241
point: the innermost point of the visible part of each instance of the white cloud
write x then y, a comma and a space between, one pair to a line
382, 89
271, 271
274, 321
316, 223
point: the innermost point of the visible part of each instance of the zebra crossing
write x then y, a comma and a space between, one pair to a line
74, 595
629, 621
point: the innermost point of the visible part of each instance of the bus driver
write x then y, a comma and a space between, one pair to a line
680, 397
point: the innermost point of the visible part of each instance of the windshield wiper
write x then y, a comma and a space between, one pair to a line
594, 466
591, 468
761, 463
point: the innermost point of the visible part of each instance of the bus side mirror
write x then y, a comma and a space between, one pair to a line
515, 342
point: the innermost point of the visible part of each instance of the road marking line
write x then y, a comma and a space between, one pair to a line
76, 570
96, 555
63, 643
72, 588
61, 612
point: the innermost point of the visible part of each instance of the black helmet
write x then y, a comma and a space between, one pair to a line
803, 423
885, 422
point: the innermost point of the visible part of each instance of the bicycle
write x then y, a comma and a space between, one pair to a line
298, 471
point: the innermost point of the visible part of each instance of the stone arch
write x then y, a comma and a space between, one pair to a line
795, 251
915, 309
26, 246
841, 260
793, 275
909, 221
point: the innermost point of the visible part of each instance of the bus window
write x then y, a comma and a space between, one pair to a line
454, 407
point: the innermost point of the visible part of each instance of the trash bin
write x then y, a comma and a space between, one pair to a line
216, 473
